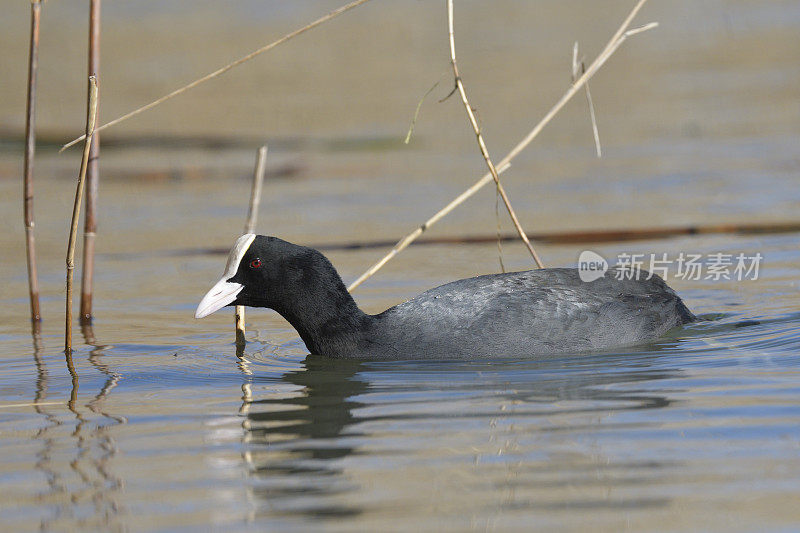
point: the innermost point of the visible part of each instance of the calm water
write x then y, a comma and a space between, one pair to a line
162, 427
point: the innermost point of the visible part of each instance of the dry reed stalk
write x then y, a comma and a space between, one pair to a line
249, 227
614, 43
333, 14
578, 68
92, 178
30, 149
29, 404
484, 151
91, 116
419, 106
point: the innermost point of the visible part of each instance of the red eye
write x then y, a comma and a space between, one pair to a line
255, 263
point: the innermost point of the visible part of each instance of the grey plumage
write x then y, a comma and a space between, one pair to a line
530, 313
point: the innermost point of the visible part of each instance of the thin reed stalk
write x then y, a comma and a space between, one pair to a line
419, 106
28, 404
249, 227
91, 116
482, 145
92, 178
333, 14
30, 149
578, 68
614, 43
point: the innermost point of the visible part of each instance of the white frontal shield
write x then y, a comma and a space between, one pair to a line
224, 291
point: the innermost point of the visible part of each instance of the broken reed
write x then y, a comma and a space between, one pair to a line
250, 227
613, 44
92, 178
578, 68
91, 116
30, 149
484, 151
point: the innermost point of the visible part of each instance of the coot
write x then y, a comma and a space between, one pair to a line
516, 314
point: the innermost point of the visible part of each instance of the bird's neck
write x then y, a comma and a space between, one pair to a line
326, 316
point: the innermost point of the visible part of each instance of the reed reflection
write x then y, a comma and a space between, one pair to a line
46, 437
82, 491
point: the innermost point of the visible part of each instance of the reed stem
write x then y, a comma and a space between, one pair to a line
249, 227
92, 178
481, 144
578, 68
30, 149
91, 116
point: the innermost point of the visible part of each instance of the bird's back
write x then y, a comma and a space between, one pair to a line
520, 314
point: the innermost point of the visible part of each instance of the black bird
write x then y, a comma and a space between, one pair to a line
517, 314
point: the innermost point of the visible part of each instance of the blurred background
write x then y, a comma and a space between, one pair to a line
698, 118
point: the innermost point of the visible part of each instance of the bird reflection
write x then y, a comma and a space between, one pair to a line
589, 392
296, 433
300, 429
